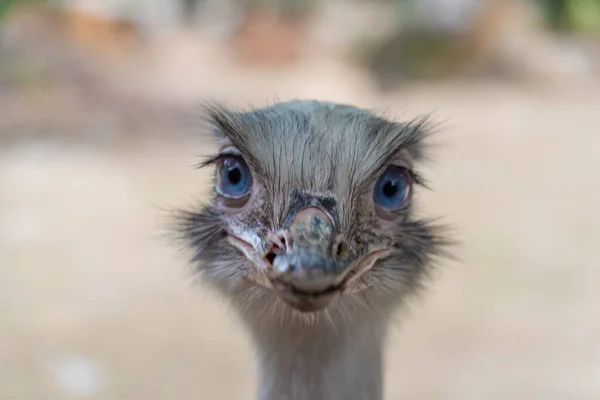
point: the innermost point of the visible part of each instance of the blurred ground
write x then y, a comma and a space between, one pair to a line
96, 303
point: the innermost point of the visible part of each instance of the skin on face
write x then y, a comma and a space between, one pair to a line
313, 203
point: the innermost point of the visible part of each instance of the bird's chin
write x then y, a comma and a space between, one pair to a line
307, 301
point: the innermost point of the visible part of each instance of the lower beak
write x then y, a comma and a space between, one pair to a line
307, 280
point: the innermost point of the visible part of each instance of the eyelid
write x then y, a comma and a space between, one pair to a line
229, 150
401, 163
405, 170
412, 177
402, 159
222, 158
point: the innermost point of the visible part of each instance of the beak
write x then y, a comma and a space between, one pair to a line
315, 264
308, 264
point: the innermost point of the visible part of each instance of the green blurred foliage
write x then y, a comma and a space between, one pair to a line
584, 14
569, 15
286, 8
572, 15
7, 5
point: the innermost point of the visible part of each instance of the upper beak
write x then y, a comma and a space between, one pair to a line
308, 263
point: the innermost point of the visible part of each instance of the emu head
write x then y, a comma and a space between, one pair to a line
312, 205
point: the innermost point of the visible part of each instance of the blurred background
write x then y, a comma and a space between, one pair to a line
97, 138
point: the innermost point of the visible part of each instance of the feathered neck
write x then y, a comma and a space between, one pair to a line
318, 356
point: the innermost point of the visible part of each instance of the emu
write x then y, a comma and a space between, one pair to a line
311, 234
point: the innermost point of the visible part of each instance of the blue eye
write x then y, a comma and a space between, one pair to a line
233, 178
392, 189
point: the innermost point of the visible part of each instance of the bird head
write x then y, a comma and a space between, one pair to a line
312, 203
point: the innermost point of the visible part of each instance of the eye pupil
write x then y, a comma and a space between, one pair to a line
390, 189
234, 175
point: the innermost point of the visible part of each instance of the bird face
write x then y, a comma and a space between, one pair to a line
313, 202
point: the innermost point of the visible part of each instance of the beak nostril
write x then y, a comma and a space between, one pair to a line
340, 249
283, 241
280, 243
271, 257
286, 240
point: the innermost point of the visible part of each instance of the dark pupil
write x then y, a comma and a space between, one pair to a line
234, 175
390, 188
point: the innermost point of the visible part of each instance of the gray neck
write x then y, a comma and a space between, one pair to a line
317, 361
